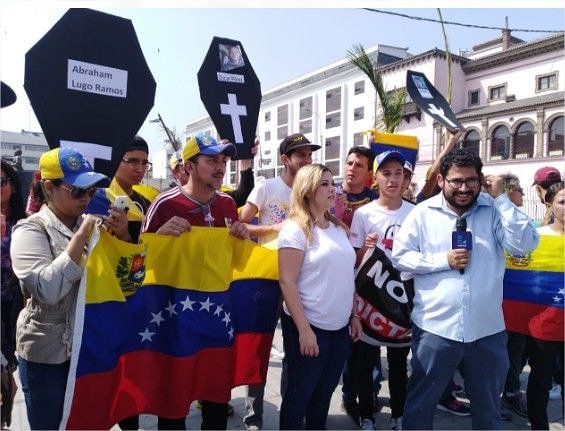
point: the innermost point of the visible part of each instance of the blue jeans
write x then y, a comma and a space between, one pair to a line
43, 386
435, 359
311, 380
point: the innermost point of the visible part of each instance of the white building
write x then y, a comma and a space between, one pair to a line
31, 144
508, 94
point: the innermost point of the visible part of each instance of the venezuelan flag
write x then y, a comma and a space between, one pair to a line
406, 144
168, 321
534, 291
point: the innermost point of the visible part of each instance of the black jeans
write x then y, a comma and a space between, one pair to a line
397, 378
542, 363
214, 417
132, 423
515, 346
364, 357
361, 362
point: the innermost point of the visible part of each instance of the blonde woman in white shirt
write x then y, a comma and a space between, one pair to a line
317, 280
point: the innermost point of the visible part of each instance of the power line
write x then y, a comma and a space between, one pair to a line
419, 18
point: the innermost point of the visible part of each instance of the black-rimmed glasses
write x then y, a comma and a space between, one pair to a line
469, 182
146, 164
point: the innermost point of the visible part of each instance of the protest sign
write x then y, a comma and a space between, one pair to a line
429, 100
89, 85
231, 93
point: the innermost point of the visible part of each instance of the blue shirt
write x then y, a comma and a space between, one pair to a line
461, 307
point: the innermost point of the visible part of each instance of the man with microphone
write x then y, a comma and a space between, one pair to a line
454, 244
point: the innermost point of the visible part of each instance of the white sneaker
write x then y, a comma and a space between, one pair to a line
367, 424
396, 423
276, 353
555, 392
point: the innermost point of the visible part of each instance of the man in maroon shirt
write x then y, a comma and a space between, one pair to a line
198, 203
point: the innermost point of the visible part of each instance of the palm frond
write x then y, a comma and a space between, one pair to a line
172, 137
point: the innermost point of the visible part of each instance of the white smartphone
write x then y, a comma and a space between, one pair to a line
121, 202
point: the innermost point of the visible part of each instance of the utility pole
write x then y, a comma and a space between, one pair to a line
171, 138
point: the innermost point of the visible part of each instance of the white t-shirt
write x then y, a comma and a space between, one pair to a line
326, 281
374, 218
272, 199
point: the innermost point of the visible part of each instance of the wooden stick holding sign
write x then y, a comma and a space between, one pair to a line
431, 101
231, 93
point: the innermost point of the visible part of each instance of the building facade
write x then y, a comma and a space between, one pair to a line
508, 94
31, 144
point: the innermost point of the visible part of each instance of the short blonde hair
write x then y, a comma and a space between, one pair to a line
306, 183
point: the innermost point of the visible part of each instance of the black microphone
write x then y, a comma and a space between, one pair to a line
461, 238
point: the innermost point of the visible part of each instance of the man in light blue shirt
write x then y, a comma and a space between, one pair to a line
457, 316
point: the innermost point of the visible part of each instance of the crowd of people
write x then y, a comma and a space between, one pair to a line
364, 265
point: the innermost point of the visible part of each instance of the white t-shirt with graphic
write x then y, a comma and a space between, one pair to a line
326, 280
272, 199
374, 218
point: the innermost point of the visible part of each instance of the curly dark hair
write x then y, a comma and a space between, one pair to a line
17, 207
460, 157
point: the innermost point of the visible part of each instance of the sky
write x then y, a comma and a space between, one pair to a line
282, 42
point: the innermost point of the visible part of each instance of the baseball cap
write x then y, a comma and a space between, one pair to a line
294, 141
385, 156
408, 166
206, 145
69, 165
175, 160
547, 174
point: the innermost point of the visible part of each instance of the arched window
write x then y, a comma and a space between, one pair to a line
524, 141
472, 142
555, 146
500, 143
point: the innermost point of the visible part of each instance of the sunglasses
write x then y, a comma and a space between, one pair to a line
78, 193
4, 181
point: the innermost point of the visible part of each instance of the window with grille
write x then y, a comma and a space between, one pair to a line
546, 82
333, 99
497, 93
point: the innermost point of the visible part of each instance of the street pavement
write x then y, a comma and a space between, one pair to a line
337, 419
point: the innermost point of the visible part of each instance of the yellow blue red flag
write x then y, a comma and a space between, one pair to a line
168, 321
534, 290
408, 145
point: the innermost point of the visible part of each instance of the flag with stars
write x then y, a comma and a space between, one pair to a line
168, 321
534, 291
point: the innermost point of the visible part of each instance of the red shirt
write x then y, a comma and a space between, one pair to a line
218, 212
